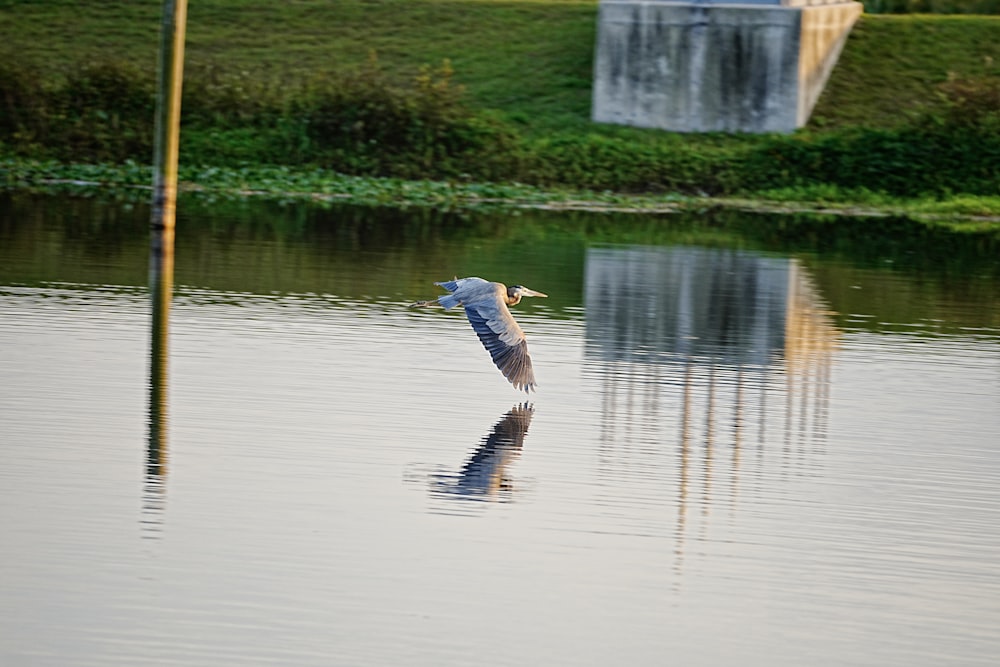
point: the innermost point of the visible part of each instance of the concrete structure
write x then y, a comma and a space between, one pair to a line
758, 66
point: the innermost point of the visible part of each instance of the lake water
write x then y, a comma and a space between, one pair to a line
755, 441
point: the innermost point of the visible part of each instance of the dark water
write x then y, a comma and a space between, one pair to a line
756, 441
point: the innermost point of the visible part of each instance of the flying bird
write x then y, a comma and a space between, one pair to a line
485, 305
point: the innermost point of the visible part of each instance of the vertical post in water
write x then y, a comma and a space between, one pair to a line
168, 113
161, 251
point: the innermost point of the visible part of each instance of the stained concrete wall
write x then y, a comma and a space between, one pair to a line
703, 67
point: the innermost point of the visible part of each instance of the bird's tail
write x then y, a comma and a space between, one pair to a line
448, 301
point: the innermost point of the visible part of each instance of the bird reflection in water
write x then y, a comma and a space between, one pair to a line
483, 477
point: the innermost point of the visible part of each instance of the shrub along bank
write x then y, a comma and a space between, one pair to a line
361, 123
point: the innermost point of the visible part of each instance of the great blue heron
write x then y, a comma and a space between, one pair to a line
486, 307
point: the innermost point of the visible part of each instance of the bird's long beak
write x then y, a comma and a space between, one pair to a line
530, 292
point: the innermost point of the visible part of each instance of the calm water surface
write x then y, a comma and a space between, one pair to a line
755, 442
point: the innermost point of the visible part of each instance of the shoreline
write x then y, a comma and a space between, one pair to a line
322, 186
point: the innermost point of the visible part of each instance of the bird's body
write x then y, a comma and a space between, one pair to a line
485, 305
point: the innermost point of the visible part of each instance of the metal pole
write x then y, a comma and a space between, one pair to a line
161, 251
168, 113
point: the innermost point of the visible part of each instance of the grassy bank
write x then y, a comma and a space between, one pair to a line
911, 114
529, 59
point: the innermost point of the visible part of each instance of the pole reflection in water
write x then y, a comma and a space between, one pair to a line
483, 477
161, 281
711, 352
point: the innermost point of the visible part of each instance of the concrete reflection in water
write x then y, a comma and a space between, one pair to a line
161, 283
484, 476
713, 352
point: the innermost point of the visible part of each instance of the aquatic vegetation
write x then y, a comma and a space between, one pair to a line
131, 181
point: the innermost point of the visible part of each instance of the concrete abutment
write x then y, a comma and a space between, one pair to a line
711, 66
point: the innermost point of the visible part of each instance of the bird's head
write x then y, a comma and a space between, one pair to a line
515, 292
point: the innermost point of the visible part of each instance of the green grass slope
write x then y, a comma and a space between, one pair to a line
530, 59
892, 66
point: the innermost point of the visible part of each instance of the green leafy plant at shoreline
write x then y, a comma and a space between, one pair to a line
131, 182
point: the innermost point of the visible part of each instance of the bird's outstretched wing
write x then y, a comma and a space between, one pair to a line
464, 290
504, 340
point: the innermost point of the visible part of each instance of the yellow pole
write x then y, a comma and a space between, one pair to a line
161, 248
168, 113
